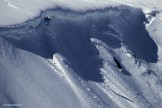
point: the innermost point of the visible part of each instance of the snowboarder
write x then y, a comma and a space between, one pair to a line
47, 20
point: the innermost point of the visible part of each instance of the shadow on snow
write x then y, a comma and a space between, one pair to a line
70, 36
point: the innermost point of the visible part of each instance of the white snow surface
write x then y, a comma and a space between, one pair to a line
18, 11
93, 54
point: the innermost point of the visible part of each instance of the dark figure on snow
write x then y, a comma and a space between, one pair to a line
47, 20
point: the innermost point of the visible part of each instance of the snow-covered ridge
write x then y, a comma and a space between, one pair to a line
18, 11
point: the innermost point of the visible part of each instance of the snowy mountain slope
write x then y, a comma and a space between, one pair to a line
33, 82
103, 58
18, 11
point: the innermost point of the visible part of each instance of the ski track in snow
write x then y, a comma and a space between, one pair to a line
9, 4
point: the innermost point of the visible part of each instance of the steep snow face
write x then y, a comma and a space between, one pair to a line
85, 60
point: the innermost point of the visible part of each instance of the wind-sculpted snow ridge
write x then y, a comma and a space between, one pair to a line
97, 59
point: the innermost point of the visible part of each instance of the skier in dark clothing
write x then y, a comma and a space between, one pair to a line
47, 20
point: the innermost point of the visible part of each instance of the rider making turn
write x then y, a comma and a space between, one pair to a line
47, 20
